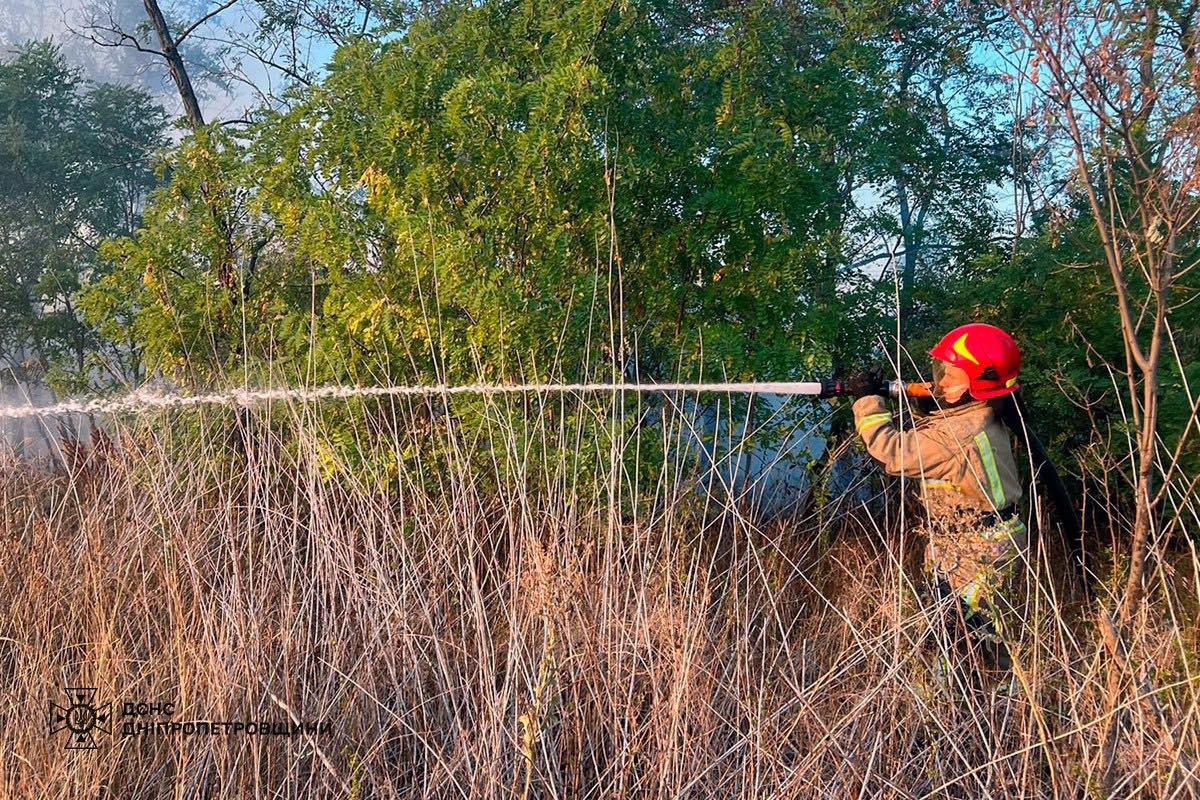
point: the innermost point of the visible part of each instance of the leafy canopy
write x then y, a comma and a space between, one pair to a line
74, 169
518, 189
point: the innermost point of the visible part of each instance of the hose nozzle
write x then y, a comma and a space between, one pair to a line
897, 388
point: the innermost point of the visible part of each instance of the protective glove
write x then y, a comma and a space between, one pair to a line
866, 382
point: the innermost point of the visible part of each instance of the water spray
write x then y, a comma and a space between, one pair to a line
148, 399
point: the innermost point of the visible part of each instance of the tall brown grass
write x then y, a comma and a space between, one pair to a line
536, 611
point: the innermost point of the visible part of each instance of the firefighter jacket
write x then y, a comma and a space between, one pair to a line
964, 450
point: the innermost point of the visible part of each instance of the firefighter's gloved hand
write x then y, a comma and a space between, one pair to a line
866, 382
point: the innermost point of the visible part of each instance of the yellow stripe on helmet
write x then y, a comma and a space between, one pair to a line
960, 347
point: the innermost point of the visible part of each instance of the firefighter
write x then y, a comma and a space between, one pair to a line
961, 453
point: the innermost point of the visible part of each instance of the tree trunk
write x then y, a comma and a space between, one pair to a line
909, 271
191, 106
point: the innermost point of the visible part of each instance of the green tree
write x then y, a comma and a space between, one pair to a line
75, 171
512, 189
940, 152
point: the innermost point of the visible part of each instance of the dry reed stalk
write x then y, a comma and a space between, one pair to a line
523, 607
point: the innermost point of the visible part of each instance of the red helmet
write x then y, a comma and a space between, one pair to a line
987, 354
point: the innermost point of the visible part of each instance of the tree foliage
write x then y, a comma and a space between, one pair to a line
75, 171
511, 189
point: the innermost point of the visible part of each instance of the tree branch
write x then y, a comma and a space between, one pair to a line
223, 7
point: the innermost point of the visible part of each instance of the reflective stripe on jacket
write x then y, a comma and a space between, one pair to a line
964, 449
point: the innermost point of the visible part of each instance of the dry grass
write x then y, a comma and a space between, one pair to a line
502, 622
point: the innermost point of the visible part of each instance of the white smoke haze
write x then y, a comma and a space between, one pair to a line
224, 55
58, 20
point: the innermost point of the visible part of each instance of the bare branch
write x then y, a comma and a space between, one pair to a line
123, 39
223, 7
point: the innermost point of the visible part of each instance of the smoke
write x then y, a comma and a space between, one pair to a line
25, 20
227, 82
